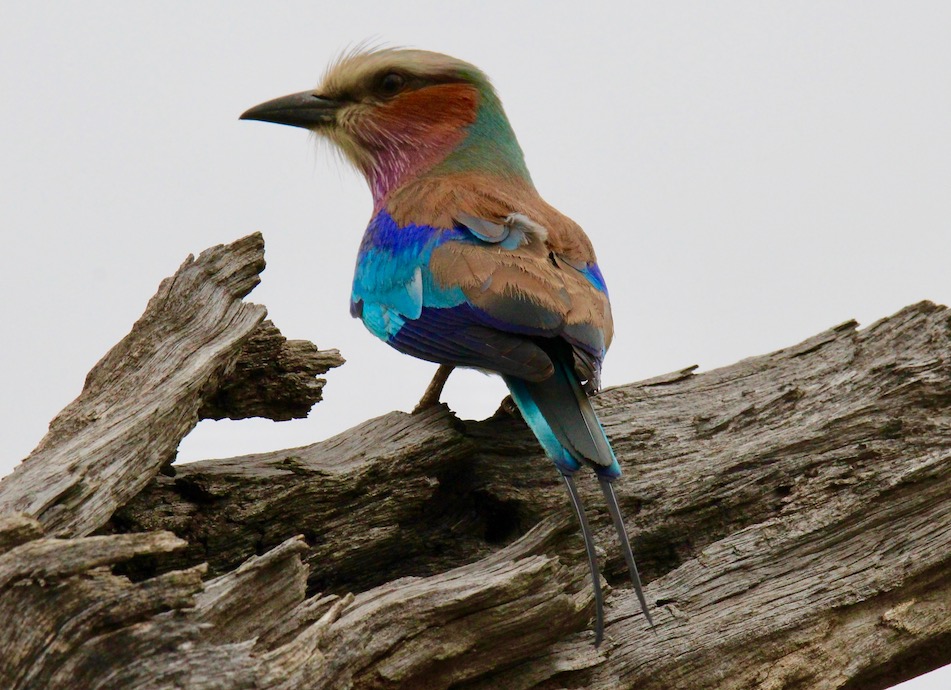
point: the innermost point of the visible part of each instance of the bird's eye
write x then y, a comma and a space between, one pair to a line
392, 83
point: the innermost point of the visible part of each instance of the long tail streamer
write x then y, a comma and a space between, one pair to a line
611, 499
592, 558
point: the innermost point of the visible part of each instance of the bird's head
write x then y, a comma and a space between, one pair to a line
399, 114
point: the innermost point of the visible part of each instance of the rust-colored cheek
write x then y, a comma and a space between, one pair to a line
437, 111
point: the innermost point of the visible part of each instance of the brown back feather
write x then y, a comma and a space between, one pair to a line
539, 275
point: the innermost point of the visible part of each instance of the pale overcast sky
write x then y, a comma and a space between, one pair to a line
749, 172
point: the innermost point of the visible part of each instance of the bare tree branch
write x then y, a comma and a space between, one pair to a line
274, 378
144, 396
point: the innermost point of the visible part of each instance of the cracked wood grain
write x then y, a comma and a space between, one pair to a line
790, 514
253, 627
780, 507
146, 394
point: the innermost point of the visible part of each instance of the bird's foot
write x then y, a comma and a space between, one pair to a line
434, 389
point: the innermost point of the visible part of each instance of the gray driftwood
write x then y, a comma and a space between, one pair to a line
196, 344
791, 514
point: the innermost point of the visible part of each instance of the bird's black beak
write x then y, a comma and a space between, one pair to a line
303, 109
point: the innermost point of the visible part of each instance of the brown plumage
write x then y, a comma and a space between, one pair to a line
543, 274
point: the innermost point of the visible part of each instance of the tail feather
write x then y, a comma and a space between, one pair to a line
559, 412
592, 558
562, 418
608, 490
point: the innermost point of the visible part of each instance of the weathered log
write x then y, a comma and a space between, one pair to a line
252, 627
790, 514
144, 396
795, 493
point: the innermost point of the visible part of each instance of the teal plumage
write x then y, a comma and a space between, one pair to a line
463, 263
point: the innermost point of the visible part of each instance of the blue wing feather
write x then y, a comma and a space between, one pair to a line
395, 295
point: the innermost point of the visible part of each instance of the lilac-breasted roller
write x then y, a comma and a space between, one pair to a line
463, 263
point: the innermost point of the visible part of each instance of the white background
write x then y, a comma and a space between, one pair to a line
750, 173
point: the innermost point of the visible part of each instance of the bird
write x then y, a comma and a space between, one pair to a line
463, 263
